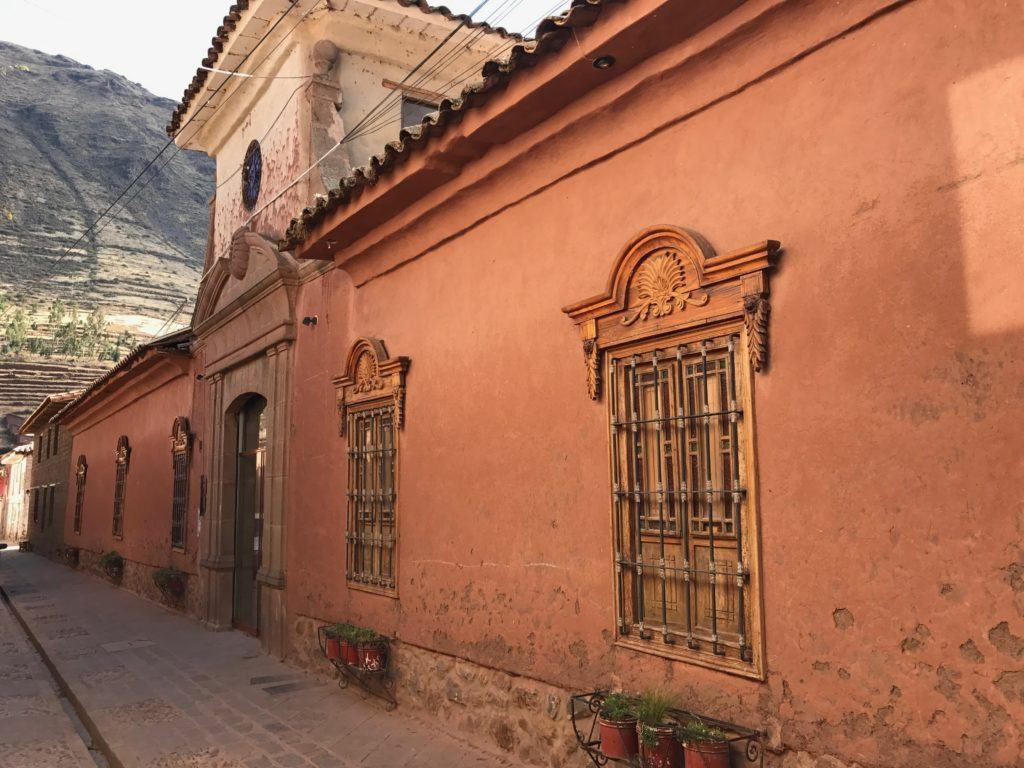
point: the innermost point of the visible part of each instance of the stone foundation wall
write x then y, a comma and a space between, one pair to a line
138, 578
527, 720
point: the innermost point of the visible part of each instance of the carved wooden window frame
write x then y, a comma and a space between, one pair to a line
669, 290
81, 472
372, 390
122, 458
181, 445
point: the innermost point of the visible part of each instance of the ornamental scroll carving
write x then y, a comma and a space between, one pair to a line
180, 435
669, 279
370, 377
123, 452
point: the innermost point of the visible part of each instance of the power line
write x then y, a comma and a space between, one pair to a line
163, 149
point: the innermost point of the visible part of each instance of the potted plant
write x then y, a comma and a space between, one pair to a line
659, 747
617, 721
349, 651
112, 564
371, 649
71, 556
170, 581
704, 746
333, 634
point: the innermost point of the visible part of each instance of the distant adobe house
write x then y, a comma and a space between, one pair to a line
679, 351
15, 466
48, 478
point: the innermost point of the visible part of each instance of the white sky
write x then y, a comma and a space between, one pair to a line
159, 43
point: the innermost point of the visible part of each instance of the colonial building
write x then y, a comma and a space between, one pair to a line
15, 465
677, 351
48, 477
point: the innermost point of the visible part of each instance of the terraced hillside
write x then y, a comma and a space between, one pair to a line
70, 138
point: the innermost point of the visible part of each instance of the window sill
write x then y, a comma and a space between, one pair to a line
382, 591
657, 647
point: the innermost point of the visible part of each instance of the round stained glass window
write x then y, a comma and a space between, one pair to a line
252, 174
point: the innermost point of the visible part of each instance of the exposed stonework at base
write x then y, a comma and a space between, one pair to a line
526, 719
138, 578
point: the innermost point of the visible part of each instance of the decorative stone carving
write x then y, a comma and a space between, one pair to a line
371, 376
669, 279
755, 318
81, 469
660, 286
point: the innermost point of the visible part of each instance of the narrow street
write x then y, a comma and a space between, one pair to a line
162, 692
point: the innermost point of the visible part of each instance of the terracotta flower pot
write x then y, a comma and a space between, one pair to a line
665, 753
333, 646
349, 653
371, 657
706, 754
618, 738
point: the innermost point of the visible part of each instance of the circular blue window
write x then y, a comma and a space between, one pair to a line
252, 174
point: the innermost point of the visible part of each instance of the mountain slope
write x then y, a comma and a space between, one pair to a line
71, 138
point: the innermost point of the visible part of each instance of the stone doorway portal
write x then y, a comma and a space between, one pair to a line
249, 465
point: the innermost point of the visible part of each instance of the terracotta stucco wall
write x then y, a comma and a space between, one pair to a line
147, 420
886, 160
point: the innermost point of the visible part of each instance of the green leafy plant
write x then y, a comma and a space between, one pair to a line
698, 732
617, 707
340, 631
363, 636
648, 736
653, 707
166, 577
111, 561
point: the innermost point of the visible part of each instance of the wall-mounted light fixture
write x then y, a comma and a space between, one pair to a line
604, 62
309, 320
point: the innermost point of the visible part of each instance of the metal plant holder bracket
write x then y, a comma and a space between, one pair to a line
376, 682
585, 707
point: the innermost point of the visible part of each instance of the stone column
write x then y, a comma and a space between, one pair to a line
216, 544
273, 616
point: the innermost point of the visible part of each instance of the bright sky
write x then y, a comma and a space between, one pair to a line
159, 43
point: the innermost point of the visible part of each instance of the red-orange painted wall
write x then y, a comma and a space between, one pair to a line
146, 415
881, 144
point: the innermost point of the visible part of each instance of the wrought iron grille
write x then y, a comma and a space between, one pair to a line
179, 498
120, 480
370, 527
80, 474
679, 496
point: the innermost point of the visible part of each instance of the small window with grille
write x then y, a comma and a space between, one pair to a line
370, 531
49, 506
80, 472
179, 495
121, 458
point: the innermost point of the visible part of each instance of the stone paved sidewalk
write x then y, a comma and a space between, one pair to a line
35, 729
165, 693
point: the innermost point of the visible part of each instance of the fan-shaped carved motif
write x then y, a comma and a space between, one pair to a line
661, 287
367, 377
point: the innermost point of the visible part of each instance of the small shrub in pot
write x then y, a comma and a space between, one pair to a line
334, 635
617, 721
170, 581
112, 564
371, 648
704, 746
659, 747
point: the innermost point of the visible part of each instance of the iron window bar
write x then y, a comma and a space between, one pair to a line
656, 501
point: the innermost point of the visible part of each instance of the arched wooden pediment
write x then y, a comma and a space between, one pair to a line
667, 279
370, 375
180, 435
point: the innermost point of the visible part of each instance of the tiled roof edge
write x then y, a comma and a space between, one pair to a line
179, 340
552, 34
235, 13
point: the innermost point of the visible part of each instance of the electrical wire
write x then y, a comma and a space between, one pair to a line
163, 149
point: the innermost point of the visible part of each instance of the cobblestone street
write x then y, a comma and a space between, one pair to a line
162, 692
